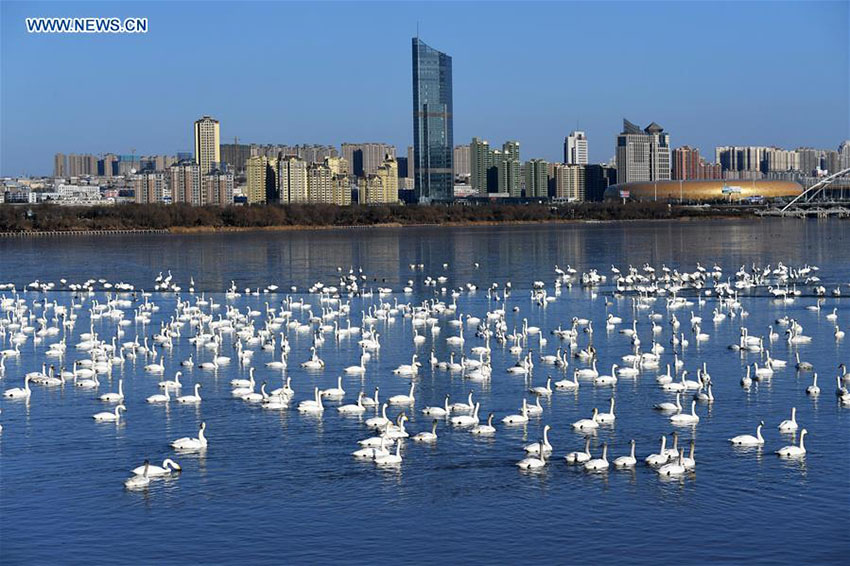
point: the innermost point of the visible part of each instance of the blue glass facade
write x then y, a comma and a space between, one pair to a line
433, 141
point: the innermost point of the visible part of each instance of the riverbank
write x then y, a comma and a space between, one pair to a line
183, 219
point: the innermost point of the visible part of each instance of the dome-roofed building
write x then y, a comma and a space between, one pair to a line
704, 190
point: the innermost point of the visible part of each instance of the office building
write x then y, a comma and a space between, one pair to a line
569, 181
460, 161
207, 148
597, 178
292, 179
433, 136
536, 178
575, 148
643, 155
218, 188
365, 158
150, 186
60, 165
185, 183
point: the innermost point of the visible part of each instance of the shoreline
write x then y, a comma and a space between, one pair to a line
191, 230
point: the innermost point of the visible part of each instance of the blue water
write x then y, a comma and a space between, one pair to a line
281, 487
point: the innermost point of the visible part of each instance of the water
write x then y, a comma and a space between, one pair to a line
277, 486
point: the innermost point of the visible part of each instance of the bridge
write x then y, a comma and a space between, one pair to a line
815, 201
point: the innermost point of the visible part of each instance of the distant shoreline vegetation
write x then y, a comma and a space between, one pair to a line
185, 218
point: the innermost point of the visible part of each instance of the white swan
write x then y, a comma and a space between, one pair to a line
168, 467
521, 418
749, 439
789, 425
173, 383
353, 409
674, 468
793, 451
114, 397
685, 418
567, 384
587, 424
533, 462
598, 464
109, 416
659, 458
391, 459
19, 392
139, 481
187, 443
312, 406
187, 399
579, 457
466, 420
626, 461
813, 389
534, 447
542, 391
334, 393
426, 436
608, 417
437, 411
484, 429
379, 421
159, 397
669, 407
408, 399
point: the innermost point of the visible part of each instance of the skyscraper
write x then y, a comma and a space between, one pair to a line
479, 163
575, 148
292, 179
207, 148
365, 158
686, 163
844, 155
643, 155
433, 137
461, 162
536, 178
60, 165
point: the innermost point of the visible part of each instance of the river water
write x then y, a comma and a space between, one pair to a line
276, 486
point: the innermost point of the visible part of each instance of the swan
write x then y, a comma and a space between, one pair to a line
314, 362
408, 399
793, 451
235, 383
789, 425
590, 372
749, 439
372, 452
187, 443
172, 384
390, 459
543, 391
355, 409
371, 401
139, 481
196, 398
838, 333
109, 416
674, 468
802, 366
705, 396
485, 429
629, 371
312, 406
427, 436
579, 457
334, 393
456, 340
358, 369
567, 384
466, 420
92, 383
114, 397
534, 447
521, 418
747, 381
813, 389
19, 392
535, 409
659, 458
461, 407
168, 467
408, 369
159, 397
588, 424
533, 462
626, 461
379, 421
598, 464
608, 417
688, 461
437, 411
670, 407
685, 418
213, 365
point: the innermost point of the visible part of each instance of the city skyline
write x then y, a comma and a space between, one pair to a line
716, 106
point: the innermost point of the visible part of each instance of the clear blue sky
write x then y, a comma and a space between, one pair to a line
711, 73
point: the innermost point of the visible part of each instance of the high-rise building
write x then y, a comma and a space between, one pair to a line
261, 182
479, 163
536, 178
60, 165
831, 161
844, 155
382, 188
493, 170
460, 161
80, 165
108, 166
207, 148
777, 160
575, 148
185, 183
597, 178
292, 179
508, 169
686, 162
570, 182
433, 136
741, 158
218, 187
365, 158
643, 155
150, 186
338, 166
235, 155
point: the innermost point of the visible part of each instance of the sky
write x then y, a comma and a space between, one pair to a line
710, 73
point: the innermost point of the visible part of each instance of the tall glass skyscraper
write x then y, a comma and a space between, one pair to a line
432, 124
